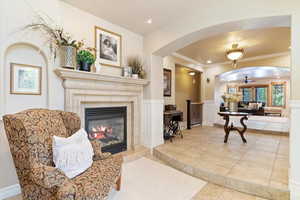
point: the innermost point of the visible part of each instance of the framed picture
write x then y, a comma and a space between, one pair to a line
167, 82
25, 79
108, 47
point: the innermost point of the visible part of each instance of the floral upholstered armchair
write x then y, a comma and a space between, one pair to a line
30, 138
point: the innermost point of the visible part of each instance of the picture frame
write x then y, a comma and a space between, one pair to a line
167, 82
108, 47
25, 79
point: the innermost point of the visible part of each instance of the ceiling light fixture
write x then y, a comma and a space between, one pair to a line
235, 54
149, 21
208, 61
192, 73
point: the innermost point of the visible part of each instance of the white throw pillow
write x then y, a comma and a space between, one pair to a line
73, 155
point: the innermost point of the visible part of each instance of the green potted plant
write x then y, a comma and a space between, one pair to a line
137, 67
85, 58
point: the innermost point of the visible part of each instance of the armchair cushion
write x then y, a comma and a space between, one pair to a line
98, 154
96, 182
47, 176
74, 154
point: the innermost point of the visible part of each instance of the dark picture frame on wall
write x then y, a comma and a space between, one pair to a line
167, 82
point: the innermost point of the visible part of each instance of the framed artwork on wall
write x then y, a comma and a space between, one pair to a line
108, 47
25, 79
167, 82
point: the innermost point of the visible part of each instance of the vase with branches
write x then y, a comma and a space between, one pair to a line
58, 40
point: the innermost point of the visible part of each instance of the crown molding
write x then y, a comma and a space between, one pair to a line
194, 63
188, 59
249, 59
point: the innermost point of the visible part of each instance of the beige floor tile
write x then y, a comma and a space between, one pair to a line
234, 195
210, 192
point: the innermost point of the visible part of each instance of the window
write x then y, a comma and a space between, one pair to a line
232, 90
258, 93
261, 94
278, 94
247, 94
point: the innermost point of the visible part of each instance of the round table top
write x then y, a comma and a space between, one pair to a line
233, 113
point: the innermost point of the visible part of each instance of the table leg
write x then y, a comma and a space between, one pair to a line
226, 128
241, 132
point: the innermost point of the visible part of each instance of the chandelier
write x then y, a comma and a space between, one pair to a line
235, 54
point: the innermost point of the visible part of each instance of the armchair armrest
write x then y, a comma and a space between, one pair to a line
98, 154
47, 176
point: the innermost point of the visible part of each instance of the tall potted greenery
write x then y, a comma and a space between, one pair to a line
85, 58
137, 67
59, 41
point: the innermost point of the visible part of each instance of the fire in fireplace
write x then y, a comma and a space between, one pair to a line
109, 125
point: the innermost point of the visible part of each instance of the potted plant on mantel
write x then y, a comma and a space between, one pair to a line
58, 41
85, 58
137, 67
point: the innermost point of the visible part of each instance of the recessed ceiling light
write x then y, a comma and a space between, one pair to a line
192, 73
149, 21
208, 61
289, 47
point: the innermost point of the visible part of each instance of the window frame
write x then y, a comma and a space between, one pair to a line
283, 83
253, 88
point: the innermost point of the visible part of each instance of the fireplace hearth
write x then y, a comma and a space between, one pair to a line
109, 125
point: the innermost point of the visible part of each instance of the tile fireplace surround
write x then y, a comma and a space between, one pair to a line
91, 90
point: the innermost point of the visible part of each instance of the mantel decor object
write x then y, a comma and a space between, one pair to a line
85, 59
127, 72
58, 40
136, 64
67, 56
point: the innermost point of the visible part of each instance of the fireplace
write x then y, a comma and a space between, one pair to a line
109, 125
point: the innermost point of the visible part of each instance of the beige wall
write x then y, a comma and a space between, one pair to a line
79, 24
169, 62
211, 71
187, 88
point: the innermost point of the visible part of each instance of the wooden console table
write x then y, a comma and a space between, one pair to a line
228, 128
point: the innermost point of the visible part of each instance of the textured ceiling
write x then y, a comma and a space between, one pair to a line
255, 43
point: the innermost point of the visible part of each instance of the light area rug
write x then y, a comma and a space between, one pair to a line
144, 179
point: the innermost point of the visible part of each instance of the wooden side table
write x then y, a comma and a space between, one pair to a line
228, 128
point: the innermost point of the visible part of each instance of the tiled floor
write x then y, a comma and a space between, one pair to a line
215, 192
208, 192
264, 159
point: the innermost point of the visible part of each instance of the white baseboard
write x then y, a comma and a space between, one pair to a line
206, 123
10, 191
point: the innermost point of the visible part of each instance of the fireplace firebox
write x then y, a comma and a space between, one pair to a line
109, 125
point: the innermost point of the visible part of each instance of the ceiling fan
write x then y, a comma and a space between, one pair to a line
247, 80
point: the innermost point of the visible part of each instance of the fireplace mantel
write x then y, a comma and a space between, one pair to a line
68, 74
86, 89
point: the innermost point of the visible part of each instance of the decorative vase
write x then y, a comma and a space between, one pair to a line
135, 76
85, 66
98, 67
233, 107
68, 57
